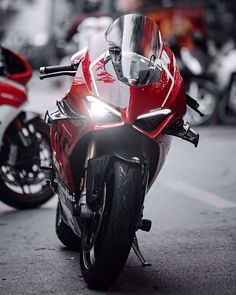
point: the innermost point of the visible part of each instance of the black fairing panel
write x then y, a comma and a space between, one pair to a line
125, 142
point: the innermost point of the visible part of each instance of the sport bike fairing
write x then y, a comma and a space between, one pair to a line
127, 101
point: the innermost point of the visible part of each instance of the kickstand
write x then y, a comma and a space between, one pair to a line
137, 251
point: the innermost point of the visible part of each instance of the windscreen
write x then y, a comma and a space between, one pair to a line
133, 43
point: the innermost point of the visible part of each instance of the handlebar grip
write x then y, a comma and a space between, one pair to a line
55, 69
61, 68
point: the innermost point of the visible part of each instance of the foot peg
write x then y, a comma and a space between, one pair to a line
137, 251
144, 224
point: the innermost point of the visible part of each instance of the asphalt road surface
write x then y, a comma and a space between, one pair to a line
191, 246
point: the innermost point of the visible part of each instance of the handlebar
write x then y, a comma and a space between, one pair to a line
60, 68
52, 71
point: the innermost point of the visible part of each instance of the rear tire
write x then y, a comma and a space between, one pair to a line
65, 233
123, 205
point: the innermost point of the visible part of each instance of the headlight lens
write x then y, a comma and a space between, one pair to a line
102, 112
98, 110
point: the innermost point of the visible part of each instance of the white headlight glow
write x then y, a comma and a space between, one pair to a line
98, 110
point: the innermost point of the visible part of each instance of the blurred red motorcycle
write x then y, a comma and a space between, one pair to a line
110, 136
24, 138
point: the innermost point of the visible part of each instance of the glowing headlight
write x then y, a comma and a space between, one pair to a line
97, 107
102, 112
98, 110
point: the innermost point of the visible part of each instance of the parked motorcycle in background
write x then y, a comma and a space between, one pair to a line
110, 136
24, 138
90, 27
224, 70
194, 64
86, 30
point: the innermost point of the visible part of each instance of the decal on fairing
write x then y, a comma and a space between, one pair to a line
91, 72
165, 62
61, 141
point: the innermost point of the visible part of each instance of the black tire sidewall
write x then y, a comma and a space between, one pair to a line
115, 245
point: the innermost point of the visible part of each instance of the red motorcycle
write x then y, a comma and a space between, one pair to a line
24, 138
110, 136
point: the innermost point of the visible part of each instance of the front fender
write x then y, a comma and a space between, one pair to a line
125, 143
98, 169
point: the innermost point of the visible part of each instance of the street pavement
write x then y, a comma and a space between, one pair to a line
191, 246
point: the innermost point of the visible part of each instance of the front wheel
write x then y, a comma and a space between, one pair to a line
23, 183
107, 237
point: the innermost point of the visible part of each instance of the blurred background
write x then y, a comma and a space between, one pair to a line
201, 34
192, 204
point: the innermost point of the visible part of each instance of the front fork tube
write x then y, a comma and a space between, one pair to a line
84, 211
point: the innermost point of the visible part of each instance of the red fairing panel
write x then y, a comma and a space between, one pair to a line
65, 135
17, 66
12, 93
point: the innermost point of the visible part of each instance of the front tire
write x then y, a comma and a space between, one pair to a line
102, 263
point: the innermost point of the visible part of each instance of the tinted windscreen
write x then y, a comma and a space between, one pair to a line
133, 43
